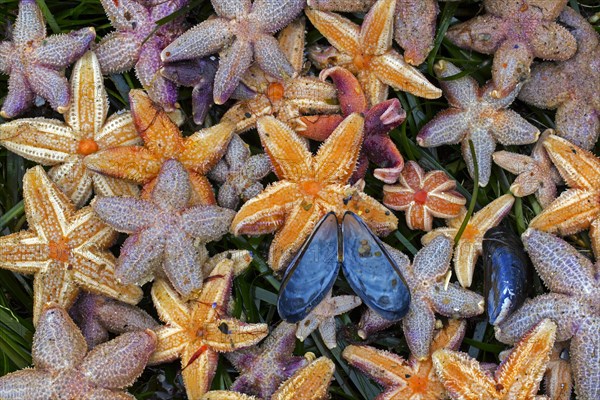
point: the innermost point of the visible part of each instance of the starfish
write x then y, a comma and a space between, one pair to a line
138, 41
406, 380
263, 369
558, 380
309, 383
239, 174
380, 119
431, 293
573, 303
475, 115
518, 377
97, 316
198, 330
163, 141
515, 32
36, 62
323, 318
65, 145
572, 86
535, 174
367, 52
242, 33
66, 249
162, 230
469, 246
64, 369
423, 196
309, 187
285, 98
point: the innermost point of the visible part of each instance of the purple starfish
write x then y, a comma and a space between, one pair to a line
138, 41
36, 62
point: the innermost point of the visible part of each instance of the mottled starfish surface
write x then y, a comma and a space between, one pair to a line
309, 187
406, 380
517, 377
309, 383
198, 153
66, 249
65, 145
64, 369
97, 316
423, 196
572, 87
558, 379
242, 32
535, 174
516, 32
431, 293
198, 330
380, 119
367, 52
163, 231
323, 318
469, 246
263, 368
475, 115
573, 303
138, 41
239, 174
36, 62
287, 98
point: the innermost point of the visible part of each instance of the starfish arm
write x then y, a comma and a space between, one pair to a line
307, 326
108, 186
513, 162
578, 121
415, 29
58, 51
539, 92
74, 179
244, 114
586, 35
445, 204
258, 166
241, 260
451, 336
512, 129
386, 368
232, 8
447, 127
207, 223
579, 168
585, 359
205, 148
343, 304
511, 65
552, 41
198, 370
118, 317
377, 28
147, 69
118, 52
595, 237
202, 99
397, 197
169, 305
26, 384
313, 379
454, 301
238, 153
271, 58
205, 38
125, 14
51, 85
234, 62
341, 5
107, 394
171, 189
381, 220
376, 91
484, 145
30, 24
342, 33
141, 254
291, 41
449, 232
86, 228
55, 286
126, 214
171, 341
20, 96
492, 214
180, 264
216, 293
273, 15
461, 92
134, 163
465, 257
23, 252
229, 334
202, 190
484, 34
6, 50
327, 330
227, 395
433, 260
418, 326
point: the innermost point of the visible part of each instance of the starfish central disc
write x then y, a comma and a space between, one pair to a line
470, 233
60, 250
275, 92
87, 147
311, 188
361, 61
421, 197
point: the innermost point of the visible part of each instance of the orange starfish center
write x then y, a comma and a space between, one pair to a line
275, 92
60, 250
420, 197
361, 61
87, 147
312, 188
470, 232
418, 384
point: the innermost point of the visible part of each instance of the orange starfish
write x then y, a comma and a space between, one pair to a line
518, 377
198, 153
66, 249
367, 52
309, 187
198, 330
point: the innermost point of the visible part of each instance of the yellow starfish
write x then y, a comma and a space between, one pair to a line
65, 145
309, 187
66, 249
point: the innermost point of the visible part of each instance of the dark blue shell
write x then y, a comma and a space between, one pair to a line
370, 270
507, 273
312, 272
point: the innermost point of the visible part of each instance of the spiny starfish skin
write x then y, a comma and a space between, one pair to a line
423, 196
242, 33
162, 230
516, 32
64, 369
198, 330
198, 153
86, 130
263, 368
239, 174
367, 52
518, 377
138, 41
66, 249
572, 87
406, 380
469, 246
476, 115
535, 174
573, 303
36, 62
309, 187
431, 293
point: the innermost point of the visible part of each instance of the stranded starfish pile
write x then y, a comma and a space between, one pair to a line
283, 185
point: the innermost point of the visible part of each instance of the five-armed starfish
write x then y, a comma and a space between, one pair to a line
309, 187
198, 330
367, 51
36, 62
65, 145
